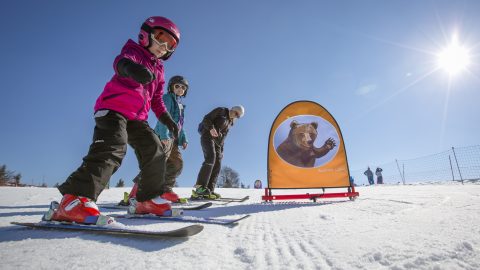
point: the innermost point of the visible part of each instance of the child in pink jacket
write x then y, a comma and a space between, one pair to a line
121, 113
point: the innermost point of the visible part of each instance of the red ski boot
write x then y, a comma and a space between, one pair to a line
170, 195
133, 192
80, 210
156, 206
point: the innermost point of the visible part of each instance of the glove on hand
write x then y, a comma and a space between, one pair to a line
128, 68
167, 120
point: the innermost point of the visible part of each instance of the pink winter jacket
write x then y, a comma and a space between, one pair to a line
128, 97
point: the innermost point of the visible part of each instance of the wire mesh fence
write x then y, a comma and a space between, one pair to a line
456, 164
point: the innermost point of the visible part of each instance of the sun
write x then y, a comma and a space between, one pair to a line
454, 58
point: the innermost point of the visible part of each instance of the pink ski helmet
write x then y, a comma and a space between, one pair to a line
158, 22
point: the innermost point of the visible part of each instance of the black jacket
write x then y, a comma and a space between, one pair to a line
218, 119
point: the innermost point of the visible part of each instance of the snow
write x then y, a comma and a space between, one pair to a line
428, 226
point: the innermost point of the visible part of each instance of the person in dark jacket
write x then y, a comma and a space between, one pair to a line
213, 130
369, 175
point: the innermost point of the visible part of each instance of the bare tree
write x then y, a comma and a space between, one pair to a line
228, 178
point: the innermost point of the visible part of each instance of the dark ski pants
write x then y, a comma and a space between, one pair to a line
371, 181
212, 153
111, 135
379, 179
173, 166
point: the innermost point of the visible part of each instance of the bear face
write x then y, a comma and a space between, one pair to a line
298, 148
303, 135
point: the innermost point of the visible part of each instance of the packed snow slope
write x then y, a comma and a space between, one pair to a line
430, 226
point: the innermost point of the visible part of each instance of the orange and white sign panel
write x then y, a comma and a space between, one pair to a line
306, 149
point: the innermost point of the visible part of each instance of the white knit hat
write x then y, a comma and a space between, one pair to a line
239, 109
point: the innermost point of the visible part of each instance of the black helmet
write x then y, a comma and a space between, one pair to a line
178, 79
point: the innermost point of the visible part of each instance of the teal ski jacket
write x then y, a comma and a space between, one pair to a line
176, 110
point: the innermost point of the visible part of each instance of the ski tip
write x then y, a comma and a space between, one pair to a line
187, 231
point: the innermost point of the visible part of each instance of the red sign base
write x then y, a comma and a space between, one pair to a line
351, 194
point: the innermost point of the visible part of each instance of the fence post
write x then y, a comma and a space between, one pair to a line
458, 167
451, 168
401, 176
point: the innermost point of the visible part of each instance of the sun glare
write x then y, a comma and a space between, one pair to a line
454, 58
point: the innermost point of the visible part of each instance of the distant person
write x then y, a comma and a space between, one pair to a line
369, 175
121, 113
213, 130
177, 89
257, 184
378, 173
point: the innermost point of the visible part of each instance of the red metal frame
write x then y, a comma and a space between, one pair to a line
351, 194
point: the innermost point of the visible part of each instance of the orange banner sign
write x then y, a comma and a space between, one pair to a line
306, 149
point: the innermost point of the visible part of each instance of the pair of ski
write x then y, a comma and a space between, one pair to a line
184, 206
123, 230
177, 206
184, 231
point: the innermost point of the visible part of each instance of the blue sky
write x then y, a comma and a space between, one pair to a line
368, 62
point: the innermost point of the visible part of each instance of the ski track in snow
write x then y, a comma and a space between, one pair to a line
388, 227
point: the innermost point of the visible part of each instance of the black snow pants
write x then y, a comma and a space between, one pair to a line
213, 154
111, 135
173, 166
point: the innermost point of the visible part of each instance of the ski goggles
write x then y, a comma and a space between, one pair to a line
164, 38
183, 87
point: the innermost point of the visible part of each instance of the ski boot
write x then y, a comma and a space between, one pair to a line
157, 206
214, 195
76, 209
183, 200
200, 192
170, 195
125, 201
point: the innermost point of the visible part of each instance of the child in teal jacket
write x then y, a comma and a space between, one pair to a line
177, 89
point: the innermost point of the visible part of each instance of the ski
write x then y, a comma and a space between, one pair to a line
206, 220
235, 199
180, 206
222, 200
193, 207
120, 230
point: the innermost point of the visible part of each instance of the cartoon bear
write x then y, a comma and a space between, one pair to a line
298, 148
